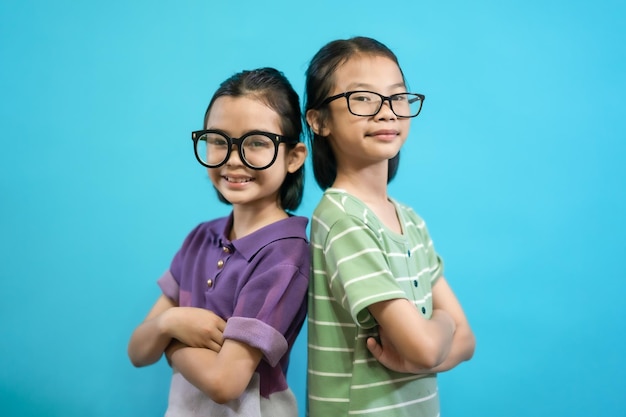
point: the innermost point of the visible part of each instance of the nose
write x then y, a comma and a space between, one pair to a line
234, 159
385, 112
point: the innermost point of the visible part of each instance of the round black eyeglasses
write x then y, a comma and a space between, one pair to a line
256, 149
369, 103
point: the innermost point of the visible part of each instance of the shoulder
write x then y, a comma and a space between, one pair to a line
213, 228
409, 216
291, 227
285, 240
337, 201
338, 209
201, 240
286, 235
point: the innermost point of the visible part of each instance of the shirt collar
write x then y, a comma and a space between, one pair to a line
250, 245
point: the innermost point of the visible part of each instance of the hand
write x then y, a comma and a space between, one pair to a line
196, 327
388, 356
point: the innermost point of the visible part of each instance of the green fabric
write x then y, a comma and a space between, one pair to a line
357, 261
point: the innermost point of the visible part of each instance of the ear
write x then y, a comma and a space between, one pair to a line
314, 121
296, 157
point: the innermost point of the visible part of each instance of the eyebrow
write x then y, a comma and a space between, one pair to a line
363, 85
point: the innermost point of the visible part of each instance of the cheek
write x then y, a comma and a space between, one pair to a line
213, 175
281, 169
347, 125
406, 127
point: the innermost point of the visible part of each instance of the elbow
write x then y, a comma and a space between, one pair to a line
221, 389
428, 360
470, 346
141, 362
224, 395
426, 355
138, 360
223, 398
136, 363
466, 343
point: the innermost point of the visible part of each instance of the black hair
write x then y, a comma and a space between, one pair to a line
319, 83
272, 88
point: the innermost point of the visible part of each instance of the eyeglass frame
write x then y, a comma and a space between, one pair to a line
274, 137
347, 95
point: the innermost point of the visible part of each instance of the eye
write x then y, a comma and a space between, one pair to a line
362, 97
216, 141
399, 98
258, 142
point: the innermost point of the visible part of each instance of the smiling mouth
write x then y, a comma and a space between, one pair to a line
238, 180
384, 133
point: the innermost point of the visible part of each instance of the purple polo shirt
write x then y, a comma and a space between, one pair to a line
257, 283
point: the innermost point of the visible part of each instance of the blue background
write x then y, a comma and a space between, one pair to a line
517, 163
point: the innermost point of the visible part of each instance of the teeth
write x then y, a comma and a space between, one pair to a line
238, 180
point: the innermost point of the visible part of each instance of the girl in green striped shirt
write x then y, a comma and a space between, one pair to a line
383, 320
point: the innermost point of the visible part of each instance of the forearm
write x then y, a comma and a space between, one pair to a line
196, 365
462, 349
221, 376
148, 342
412, 344
441, 337
463, 342
151, 337
418, 342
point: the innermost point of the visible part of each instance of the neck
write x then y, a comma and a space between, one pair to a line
248, 219
369, 184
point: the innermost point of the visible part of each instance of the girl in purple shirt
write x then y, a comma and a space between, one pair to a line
234, 297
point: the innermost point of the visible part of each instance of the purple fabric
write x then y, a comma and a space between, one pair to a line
258, 335
260, 288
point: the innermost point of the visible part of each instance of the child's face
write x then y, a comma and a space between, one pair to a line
239, 184
372, 138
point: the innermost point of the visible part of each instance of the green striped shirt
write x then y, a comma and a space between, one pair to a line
357, 261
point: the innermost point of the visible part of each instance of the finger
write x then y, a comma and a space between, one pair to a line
215, 337
215, 347
382, 334
374, 348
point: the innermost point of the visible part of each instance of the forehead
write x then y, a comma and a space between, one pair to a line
239, 115
367, 72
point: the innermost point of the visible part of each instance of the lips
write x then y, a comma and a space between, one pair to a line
384, 135
384, 132
237, 180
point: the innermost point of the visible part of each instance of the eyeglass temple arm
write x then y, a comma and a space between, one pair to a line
417, 98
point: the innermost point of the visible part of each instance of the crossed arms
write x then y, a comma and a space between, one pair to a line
192, 339
413, 344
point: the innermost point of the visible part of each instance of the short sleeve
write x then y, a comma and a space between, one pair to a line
271, 306
357, 269
193, 240
169, 286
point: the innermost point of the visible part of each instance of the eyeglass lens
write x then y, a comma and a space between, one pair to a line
257, 150
365, 103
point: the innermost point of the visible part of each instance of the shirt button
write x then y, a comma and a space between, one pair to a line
415, 283
226, 249
220, 264
423, 310
209, 283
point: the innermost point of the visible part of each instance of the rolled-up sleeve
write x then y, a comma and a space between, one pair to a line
259, 335
271, 307
169, 286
